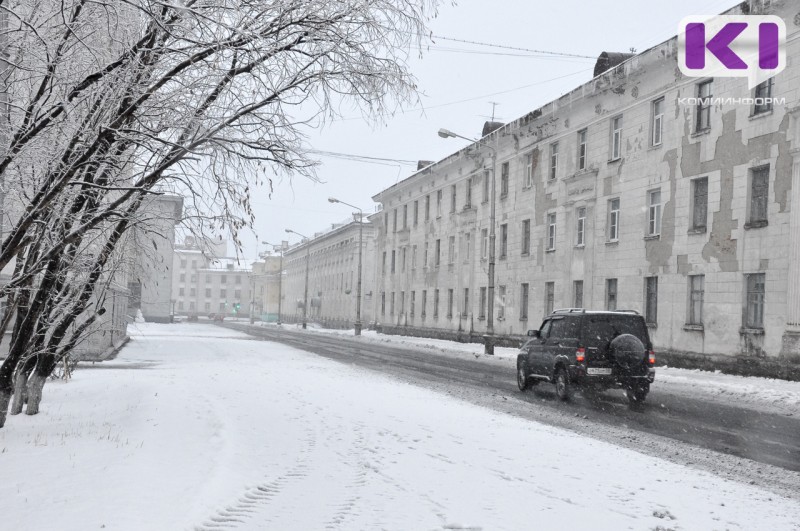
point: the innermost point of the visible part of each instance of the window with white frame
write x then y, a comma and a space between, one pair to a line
580, 227
763, 97
383, 303
613, 220
438, 203
551, 231
694, 315
553, 161
393, 261
403, 250
450, 293
487, 181
703, 111
482, 307
468, 194
549, 297
453, 191
754, 309
504, 171
428, 207
616, 137
465, 307
405, 216
394, 220
424, 303
451, 249
582, 149
651, 300
435, 303
467, 246
413, 257
503, 240
437, 253
412, 302
416, 212
528, 170
501, 297
484, 242
611, 294
759, 188
523, 301
654, 212
526, 236
425, 256
657, 124
699, 204
577, 294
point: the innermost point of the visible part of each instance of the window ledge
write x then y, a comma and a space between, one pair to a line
652, 237
481, 318
701, 132
503, 196
751, 331
697, 230
589, 170
693, 327
526, 254
501, 318
580, 246
756, 224
523, 319
550, 250
502, 257
656, 147
614, 161
612, 242
763, 114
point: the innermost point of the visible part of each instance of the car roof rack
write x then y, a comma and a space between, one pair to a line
626, 311
569, 310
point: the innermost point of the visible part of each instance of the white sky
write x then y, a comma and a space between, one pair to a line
446, 77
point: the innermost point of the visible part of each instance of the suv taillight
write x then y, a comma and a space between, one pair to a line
580, 355
652, 358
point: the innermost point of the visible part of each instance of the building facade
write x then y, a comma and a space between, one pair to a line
633, 191
331, 259
266, 285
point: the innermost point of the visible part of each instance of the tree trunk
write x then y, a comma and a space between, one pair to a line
21, 386
5, 398
35, 384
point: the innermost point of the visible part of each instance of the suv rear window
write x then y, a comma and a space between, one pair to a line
565, 328
599, 330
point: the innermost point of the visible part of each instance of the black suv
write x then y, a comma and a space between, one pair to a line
592, 350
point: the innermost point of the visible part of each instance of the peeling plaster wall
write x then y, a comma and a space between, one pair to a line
735, 143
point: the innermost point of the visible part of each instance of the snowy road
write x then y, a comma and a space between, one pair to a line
765, 437
200, 427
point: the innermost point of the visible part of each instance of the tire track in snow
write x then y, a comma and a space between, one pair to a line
259, 496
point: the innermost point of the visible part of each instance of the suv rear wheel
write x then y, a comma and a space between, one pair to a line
637, 393
563, 386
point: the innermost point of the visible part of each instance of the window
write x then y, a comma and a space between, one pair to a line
501, 296
504, 180
208, 280
394, 222
223, 293
582, 149
416, 213
468, 194
487, 181
611, 294
613, 220
763, 97
183, 263
523, 302
465, 308
484, 242
529, 170
403, 251
425, 256
237, 294
402, 302
393, 261
208, 292
754, 311
482, 307
451, 249
386, 221
553, 160
414, 257
222, 306
207, 307
435, 303
194, 264
383, 303
616, 137
694, 315
704, 106
453, 198
192, 292
651, 300
577, 294
181, 292
405, 216
467, 246
438, 203
424, 302
580, 237
450, 303
759, 187
699, 204
437, 253
654, 212
237, 279
549, 297
193, 278
183, 277
658, 122
391, 304
427, 207
526, 236
503, 240
551, 232
383, 263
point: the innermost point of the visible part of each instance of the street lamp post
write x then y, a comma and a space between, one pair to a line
305, 292
280, 277
357, 326
489, 337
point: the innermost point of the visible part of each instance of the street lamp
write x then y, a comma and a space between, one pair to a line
305, 292
489, 337
280, 276
357, 325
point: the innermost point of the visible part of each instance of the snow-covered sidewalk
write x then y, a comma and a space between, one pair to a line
764, 394
195, 426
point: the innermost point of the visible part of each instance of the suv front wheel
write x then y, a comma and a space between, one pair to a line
563, 385
523, 382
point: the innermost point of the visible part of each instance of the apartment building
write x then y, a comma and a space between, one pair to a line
633, 191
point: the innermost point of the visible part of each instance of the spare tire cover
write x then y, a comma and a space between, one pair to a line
627, 350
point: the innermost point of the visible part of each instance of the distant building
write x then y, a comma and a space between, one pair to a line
265, 279
332, 277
